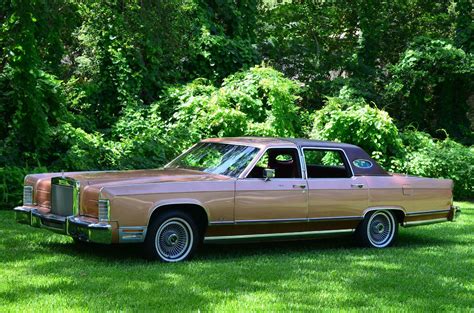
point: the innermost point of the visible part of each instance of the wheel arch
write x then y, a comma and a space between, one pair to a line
199, 213
398, 211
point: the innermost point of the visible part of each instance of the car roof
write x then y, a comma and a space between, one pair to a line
281, 141
352, 152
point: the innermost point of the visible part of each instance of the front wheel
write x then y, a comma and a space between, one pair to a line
172, 237
379, 229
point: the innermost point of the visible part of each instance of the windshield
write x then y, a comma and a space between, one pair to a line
216, 158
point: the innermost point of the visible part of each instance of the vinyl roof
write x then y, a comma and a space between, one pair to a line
352, 152
276, 140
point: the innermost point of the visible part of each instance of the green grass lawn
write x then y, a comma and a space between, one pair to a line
431, 268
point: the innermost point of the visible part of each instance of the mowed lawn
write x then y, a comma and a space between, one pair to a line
431, 268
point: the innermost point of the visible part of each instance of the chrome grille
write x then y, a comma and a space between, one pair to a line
64, 196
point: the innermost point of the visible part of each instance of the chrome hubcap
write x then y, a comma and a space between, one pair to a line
174, 240
381, 228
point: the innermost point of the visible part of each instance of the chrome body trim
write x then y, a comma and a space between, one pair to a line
336, 218
389, 208
179, 201
425, 222
233, 143
262, 152
329, 149
73, 226
282, 235
270, 221
131, 234
221, 223
289, 220
427, 212
67, 181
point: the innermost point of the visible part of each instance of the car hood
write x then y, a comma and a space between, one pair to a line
113, 178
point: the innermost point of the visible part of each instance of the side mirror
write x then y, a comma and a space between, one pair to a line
268, 174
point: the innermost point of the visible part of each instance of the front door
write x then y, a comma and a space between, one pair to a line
283, 199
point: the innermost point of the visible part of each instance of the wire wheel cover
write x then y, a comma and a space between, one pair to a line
380, 228
174, 239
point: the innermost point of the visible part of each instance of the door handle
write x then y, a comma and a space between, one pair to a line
359, 186
299, 186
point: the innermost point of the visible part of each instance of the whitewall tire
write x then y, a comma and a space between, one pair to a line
172, 237
379, 229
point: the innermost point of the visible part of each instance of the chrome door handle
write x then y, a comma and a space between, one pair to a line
299, 186
360, 186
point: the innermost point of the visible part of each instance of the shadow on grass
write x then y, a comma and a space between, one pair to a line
428, 268
232, 250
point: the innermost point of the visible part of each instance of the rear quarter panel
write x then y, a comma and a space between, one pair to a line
412, 194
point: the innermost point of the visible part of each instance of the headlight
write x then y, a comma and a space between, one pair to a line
104, 210
27, 195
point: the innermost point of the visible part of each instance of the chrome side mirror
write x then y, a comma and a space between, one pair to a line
268, 174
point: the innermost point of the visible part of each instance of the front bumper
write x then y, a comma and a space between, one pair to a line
73, 226
454, 213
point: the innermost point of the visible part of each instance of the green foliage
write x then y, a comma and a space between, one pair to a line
430, 269
259, 101
410, 151
11, 184
356, 122
139, 142
30, 98
428, 157
129, 84
224, 33
430, 87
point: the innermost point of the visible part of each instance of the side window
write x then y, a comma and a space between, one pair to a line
325, 164
284, 161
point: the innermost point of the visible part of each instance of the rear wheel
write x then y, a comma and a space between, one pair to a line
379, 229
172, 237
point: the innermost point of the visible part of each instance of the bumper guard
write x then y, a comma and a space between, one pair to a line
454, 213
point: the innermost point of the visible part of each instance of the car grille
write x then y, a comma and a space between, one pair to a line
63, 196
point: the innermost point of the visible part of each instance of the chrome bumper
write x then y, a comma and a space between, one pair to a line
454, 213
71, 225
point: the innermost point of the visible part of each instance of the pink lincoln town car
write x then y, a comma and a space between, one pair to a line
236, 188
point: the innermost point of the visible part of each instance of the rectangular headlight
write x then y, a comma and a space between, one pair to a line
27, 195
104, 210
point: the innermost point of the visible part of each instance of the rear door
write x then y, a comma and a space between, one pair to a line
337, 198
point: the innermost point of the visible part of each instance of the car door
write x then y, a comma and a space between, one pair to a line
278, 200
337, 198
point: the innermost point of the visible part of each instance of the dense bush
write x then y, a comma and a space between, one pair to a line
11, 184
357, 122
410, 151
259, 102
430, 87
428, 157
129, 84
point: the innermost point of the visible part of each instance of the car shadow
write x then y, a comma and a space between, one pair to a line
239, 249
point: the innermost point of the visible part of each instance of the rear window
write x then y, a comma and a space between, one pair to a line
326, 164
